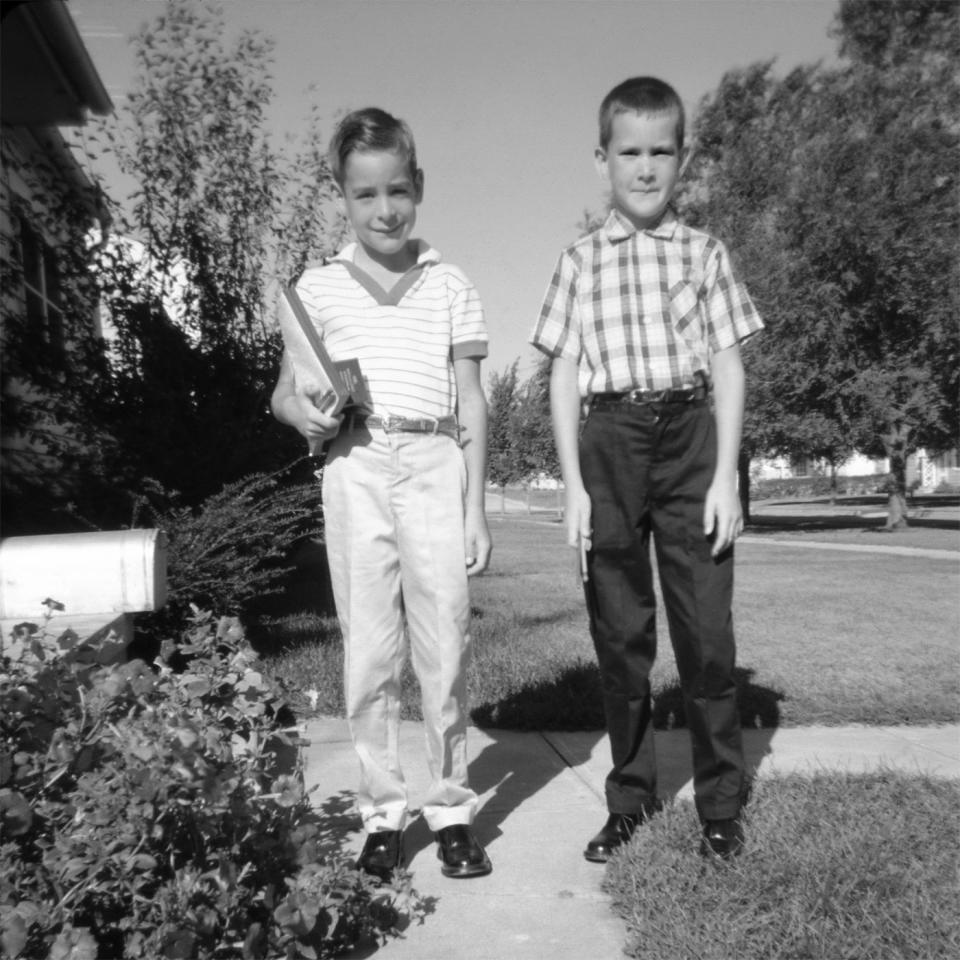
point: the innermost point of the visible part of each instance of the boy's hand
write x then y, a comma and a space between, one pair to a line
476, 543
579, 528
722, 515
315, 425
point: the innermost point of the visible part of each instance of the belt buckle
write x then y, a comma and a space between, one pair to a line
391, 423
436, 425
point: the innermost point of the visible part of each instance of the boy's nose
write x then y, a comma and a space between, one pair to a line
385, 208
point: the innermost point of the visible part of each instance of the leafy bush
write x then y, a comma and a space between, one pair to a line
156, 813
231, 551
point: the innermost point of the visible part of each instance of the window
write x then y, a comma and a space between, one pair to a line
41, 283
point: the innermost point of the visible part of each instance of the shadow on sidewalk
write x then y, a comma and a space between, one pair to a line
566, 716
506, 774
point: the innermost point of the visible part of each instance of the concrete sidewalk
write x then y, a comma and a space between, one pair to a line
541, 800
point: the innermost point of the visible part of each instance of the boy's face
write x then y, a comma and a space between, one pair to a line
379, 195
641, 163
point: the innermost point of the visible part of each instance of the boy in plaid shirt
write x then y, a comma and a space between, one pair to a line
643, 319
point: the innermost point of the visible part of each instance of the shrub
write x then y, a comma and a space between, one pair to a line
232, 551
156, 813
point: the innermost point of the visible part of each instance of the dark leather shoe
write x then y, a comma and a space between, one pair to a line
382, 854
460, 852
617, 831
722, 838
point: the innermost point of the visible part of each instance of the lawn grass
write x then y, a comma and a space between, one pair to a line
837, 867
824, 636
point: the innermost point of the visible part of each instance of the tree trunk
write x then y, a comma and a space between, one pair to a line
743, 486
895, 441
896, 512
503, 499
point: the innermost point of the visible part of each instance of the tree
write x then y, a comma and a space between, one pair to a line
881, 236
532, 428
221, 217
502, 467
837, 191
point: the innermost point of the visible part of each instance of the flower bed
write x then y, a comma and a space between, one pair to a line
160, 812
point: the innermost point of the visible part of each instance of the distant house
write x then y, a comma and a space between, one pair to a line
47, 207
926, 473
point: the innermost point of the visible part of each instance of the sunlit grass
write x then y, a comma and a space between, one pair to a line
837, 867
823, 636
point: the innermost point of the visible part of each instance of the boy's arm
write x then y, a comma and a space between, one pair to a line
472, 411
297, 410
722, 515
565, 413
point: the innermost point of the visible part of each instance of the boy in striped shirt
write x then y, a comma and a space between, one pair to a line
643, 319
403, 496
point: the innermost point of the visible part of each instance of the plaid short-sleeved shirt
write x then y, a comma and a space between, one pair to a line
643, 309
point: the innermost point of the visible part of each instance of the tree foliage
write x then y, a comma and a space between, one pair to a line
532, 429
501, 443
220, 218
838, 192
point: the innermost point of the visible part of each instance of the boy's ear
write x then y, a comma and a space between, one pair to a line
600, 161
418, 185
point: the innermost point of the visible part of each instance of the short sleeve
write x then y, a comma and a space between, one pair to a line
468, 336
730, 314
557, 331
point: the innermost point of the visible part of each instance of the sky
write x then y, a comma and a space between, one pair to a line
502, 97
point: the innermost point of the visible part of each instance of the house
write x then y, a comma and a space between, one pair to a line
47, 208
926, 472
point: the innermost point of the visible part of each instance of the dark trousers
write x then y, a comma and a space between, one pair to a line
647, 469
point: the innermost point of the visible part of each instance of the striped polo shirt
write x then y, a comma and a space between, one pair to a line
405, 339
643, 309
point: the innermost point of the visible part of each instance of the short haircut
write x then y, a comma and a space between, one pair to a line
370, 129
640, 95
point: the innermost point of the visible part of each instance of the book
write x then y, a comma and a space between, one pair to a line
332, 385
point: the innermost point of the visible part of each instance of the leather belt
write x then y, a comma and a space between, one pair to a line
672, 395
447, 426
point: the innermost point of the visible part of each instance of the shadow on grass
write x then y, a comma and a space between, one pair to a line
269, 635
807, 520
569, 701
759, 705
572, 701
528, 621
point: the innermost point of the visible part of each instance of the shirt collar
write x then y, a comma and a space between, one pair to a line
425, 253
617, 227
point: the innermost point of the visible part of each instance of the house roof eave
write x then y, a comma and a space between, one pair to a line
48, 75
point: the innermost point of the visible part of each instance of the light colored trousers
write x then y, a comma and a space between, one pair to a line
393, 512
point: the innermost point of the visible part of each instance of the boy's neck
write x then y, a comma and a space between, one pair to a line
645, 225
378, 265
